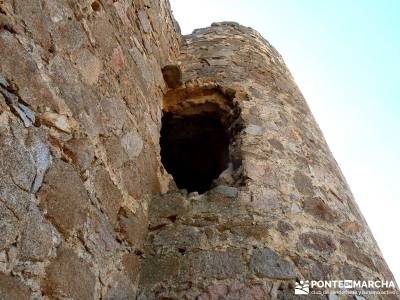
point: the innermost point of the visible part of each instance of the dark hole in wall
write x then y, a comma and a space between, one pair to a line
96, 6
194, 149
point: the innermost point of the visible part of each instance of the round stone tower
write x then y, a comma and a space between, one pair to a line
139, 164
281, 209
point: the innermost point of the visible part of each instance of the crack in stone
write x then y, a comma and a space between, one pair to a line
13, 101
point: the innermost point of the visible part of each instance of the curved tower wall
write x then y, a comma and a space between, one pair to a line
287, 214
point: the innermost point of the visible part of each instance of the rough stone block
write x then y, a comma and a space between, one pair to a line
109, 195
235, 290
37, 237
267, 263
172, 76
132, 144
354, 253
227, 191
9, 226
303, 183
120, 287
179, 236
69, 276
214, 264
64, 197
317, 241
131, 264
80, 151
158, 269
318, 209
11, 288
133, 227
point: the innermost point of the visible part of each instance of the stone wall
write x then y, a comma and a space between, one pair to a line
81, 89
284, 212
87, 211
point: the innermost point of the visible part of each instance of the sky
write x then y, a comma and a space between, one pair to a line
345, 58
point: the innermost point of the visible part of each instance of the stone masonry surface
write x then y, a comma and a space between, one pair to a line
87, 210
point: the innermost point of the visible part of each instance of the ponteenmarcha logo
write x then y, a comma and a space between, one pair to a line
359, 287
302, 288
